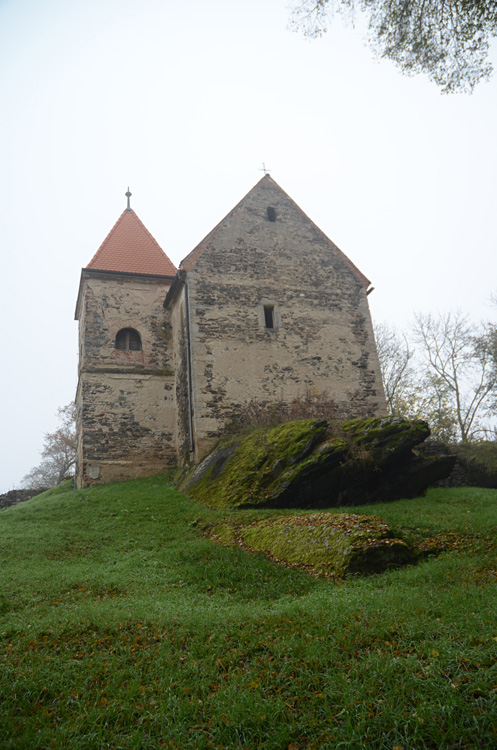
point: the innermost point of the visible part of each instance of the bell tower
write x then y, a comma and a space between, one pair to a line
124, 402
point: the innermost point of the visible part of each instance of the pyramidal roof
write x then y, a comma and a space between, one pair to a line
130, 248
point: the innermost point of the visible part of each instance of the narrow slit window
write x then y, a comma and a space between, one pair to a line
269, 316
128, 340
271, 213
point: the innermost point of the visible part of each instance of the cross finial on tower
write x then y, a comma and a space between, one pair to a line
128, 196
264, 169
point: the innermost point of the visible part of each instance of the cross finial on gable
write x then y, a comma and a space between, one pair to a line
264, 169
128, 196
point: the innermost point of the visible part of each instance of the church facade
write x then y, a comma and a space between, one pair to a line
265, 309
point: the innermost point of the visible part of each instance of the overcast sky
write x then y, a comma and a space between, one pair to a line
183, 102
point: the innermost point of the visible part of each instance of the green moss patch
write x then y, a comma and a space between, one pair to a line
327, 544
314, 463
252, 467
386, 438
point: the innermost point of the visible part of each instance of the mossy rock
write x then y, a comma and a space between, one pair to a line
326, 544
386, 439
314, 464
245, 471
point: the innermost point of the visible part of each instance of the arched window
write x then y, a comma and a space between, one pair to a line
128, 340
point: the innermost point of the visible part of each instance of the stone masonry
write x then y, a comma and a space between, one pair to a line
267, 254
266, 308
125, 411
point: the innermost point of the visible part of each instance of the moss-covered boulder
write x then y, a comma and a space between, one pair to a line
243, 471
325, 544
314, 464
386, 439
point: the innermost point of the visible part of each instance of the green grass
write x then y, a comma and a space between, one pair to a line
122, 627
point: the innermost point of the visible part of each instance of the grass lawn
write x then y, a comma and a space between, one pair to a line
122, 627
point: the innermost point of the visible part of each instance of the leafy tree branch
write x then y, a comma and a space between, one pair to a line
448, 40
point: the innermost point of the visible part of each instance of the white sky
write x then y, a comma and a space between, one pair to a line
183, 102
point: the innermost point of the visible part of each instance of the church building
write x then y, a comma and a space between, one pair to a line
265, 309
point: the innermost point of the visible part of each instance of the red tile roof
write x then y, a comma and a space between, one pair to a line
130, 248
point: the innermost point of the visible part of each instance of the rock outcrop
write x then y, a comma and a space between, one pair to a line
329, 544
13, 497
475, 463
315, 464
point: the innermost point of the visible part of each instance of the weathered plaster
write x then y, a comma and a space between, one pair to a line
322, 340
125, 400
209, 352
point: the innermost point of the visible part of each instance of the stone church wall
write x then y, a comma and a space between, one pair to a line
112, 303
125, 399
322, 340
265, 309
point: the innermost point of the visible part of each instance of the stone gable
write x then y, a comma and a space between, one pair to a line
259, 262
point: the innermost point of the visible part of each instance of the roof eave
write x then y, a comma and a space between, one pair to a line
107, 272
175, 288
77, 311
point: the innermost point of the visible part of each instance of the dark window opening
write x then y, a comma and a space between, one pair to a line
269, 316
128, 340
271, 213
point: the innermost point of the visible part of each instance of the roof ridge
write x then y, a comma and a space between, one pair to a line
358, 274
198, 249
108, 235
210, 234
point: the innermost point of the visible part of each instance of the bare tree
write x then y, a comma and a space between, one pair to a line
448, 40
435, 404
410, 391
58, 455
396, 363
459, 370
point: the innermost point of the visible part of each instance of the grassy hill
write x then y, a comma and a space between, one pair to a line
122, 627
